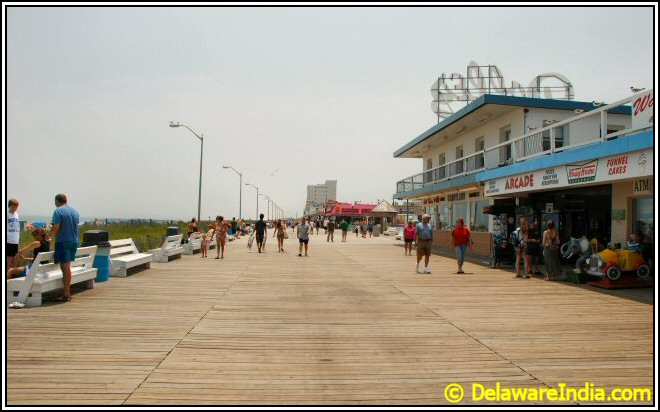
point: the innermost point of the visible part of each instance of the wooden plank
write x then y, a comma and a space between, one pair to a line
352, 323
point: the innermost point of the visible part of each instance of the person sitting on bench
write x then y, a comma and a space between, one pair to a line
22, 263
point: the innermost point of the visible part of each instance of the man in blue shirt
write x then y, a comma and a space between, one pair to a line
424, 240
67, 239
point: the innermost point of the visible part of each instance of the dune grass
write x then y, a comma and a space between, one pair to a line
146, 235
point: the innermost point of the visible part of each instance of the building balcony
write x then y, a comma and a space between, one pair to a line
546, 141
467, 165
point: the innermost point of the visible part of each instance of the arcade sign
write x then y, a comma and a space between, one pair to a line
452, 89
620, 167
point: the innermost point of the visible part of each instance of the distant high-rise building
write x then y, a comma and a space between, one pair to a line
319, 195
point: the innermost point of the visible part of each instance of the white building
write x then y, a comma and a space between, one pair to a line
487, 155
319, 195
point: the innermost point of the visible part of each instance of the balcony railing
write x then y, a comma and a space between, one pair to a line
550, 139
466, 165
556, 137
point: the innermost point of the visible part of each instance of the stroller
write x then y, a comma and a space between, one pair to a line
502, 251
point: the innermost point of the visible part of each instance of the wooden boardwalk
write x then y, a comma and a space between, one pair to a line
351, 324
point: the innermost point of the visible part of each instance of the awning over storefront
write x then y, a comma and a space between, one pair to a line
499, 209
384, 207
351, 210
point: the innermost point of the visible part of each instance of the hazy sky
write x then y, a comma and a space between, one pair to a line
301, 94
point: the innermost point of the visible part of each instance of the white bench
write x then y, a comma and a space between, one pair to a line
125, 255
45, 276
194, 244
171, 249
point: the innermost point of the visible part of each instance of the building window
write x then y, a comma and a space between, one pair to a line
559, 135
643, 218
428, 176
505, 151
479, 219
441, 172
443, 216
459, 154
458, 211
478, 160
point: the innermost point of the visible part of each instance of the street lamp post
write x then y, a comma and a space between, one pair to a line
201, 157
257, 188
240, 190
267, 206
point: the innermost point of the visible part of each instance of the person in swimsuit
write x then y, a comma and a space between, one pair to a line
221, 229
279, 233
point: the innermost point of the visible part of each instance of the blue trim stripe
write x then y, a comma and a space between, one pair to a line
632, 143
640, 141
504, 101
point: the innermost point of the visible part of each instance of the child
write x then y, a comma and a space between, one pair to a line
250, 238
206, 241
633, 243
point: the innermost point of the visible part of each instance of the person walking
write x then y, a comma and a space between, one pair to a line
532, 251
261, 232
13, 232
551, 252
280, 234
409, 234
330, 230
344, 230
221, 229
461, 240
303, 236
370, 228
234, 227
67, 239
517, 239
424, 238
356, 229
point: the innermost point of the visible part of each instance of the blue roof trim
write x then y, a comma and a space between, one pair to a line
439, 187
632, 143
505, 101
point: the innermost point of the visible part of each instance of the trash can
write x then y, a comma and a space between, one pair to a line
99, 238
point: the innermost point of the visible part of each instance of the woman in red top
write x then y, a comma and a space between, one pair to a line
409, 235
461, 240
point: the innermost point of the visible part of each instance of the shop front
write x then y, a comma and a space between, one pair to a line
607, 199
468, 203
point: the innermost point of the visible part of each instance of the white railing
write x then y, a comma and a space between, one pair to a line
555, 137
550, 139
466, 165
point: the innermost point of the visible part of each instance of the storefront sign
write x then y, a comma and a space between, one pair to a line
642, 114
643, 186
583, 173
620, 167
520, 182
